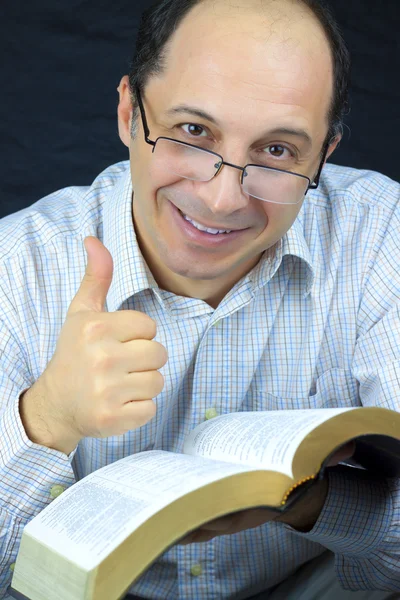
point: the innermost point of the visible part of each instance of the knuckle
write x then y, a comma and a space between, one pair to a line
105, 420
93, 329
102, 361
100, 392
104, 390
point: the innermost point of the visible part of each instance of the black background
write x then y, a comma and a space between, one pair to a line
61, 61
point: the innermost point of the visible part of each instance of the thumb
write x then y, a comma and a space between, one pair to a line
96, 282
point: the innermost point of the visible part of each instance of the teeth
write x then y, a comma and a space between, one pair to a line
205, 229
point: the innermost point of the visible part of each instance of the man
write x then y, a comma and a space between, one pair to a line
211, 259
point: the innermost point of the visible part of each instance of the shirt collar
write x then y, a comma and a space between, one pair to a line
131, 274
294, 244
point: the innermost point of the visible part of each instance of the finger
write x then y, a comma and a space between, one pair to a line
139, 326
197, 537
126, 418
221, 524
138, 413
92, 292
188, 539
140, 386
244, 519
140, 355
121, 326
344, 453
115, 392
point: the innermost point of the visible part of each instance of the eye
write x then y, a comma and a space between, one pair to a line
194, 130
278, 151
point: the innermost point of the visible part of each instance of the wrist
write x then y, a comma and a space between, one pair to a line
40, 427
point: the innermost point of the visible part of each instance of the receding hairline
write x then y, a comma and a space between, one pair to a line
263, 5
247, 5
328, 31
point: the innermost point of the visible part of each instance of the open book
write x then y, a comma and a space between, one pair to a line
101, 534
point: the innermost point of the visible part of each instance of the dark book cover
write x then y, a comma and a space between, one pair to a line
17, 595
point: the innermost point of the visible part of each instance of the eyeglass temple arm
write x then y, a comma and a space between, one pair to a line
315, 183
143, 115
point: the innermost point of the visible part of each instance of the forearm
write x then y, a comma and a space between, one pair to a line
28, 470
30, 477
360, 523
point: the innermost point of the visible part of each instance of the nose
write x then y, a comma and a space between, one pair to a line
224, 194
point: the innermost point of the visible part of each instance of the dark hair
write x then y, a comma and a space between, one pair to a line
161, 20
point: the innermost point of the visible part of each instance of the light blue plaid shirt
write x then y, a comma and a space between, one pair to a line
314, 324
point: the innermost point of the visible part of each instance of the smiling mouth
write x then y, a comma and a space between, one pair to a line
211, 230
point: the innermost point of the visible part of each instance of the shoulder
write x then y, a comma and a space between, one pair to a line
73, 211
350, 203
351, 223
362, 187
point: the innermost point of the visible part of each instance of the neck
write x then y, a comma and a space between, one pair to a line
210, 291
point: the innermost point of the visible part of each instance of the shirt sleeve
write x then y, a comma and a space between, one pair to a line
360, 522
28, 471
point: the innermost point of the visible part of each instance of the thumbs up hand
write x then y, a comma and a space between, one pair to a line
104, 373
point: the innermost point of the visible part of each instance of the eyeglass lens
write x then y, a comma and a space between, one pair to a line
200, 165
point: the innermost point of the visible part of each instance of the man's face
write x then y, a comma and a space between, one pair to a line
256, 72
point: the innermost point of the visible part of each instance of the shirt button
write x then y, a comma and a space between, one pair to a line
196, 570
56, 490
12, 566
218, 323
211, 413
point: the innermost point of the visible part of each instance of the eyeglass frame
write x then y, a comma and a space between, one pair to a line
312, 185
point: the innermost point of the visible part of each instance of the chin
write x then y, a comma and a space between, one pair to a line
195, 272
189, 267
207, 270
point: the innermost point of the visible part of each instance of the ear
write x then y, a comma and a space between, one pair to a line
333, 145
124, 111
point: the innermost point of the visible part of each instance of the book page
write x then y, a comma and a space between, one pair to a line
265, 439
95, 515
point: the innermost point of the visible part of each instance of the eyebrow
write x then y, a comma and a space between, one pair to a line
196, 112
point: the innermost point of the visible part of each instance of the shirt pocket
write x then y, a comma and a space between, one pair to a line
335, 388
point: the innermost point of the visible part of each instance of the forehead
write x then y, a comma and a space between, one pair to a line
249, 58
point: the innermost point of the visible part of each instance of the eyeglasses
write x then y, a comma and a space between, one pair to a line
197, 164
